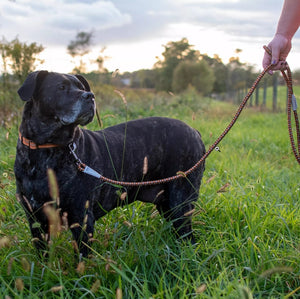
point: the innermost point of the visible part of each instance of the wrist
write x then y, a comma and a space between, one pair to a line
284, 37
288, 34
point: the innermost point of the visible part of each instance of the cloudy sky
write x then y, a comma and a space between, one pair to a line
134, 31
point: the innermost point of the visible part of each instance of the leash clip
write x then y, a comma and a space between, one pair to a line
72, 148
80, 165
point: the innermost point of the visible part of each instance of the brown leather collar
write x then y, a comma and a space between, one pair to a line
33, 145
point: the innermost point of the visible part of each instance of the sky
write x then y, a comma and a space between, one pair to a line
134, 32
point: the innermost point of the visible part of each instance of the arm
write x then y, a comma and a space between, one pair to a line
288, 24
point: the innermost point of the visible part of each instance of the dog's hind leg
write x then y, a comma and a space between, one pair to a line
180, 207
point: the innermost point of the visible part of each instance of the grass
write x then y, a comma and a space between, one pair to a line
247, 222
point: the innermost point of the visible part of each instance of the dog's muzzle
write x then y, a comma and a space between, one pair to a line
88, 108
88, 96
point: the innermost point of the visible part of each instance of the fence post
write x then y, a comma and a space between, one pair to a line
275, 85
265, 93
257, 96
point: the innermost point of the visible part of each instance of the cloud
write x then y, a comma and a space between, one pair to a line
119, 24
83, 16
152, 19
244, 18
55, 21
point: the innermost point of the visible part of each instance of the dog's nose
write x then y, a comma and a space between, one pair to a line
87, 96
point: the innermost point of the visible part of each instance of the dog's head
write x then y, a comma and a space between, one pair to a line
59, 97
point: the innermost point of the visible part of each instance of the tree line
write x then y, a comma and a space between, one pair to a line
180, 67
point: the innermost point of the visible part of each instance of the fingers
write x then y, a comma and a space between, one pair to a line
278, 62
275, 55
280, 47
267, 61
280, 66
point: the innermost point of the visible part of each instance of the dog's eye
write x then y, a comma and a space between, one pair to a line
62, 87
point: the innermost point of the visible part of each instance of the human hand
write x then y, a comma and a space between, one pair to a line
280, 47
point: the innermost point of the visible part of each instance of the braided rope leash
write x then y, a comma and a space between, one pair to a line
291, 104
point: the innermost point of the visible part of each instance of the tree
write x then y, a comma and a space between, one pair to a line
198, 75
143, 78
240, 77
4, 49
296, 77
174, 53
99, 61
220, 72
80, 47
20, 57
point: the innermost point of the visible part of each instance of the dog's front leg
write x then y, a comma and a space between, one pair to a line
38, 224
40, 237
82, 227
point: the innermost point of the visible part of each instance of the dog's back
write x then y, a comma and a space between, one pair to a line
169, 145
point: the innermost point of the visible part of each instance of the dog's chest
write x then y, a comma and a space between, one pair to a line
31, 173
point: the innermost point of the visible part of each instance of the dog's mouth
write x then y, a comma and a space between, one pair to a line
86, 118
79, 117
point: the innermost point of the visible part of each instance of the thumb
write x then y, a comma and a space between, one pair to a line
275, 56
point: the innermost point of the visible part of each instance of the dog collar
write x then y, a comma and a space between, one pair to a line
33, 145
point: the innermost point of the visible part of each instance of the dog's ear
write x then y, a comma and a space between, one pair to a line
84, 82
27, 90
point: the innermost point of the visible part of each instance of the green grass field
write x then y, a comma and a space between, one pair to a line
247, 223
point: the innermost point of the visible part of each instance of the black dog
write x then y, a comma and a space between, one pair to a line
55, 105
